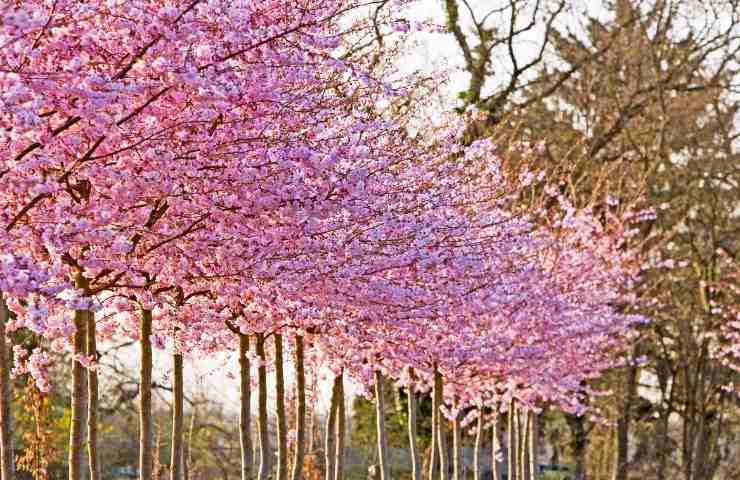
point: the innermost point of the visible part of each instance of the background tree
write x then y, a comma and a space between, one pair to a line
396, 421
638, 103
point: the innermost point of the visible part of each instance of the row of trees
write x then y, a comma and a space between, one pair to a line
636, 98
212, 176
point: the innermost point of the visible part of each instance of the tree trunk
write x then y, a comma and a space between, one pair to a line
623, 424
177, 418
158, 468
145, 398
496, 453
457, 460
578, 444
534, 466
441, 441
434, 447
311, 424
413, 444
79, 391
330, 444
341, 418
7, 466
262, 424
662, 439
282, 428
524, 469
312, 416
188, 454
92, 400
300, 411
477, 474
245, 408
385, 473
511, 447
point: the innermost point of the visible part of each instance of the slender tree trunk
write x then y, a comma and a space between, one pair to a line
426, 459
702, 458
662, 444
578, 444
92, 400
245, 408
312, 416
330, 445
7, 466
385, 473
534, 466
441, 440
457, 460
311, 430
521, 441
341, 427
188, 454
477, 474
413, 444
145, 398
312, 424
282, 428
156, 465
262, 424
623, 424
449, 444
434, 447
524, 446
79, 391
177, 418
512, 448
496, 454
300, 411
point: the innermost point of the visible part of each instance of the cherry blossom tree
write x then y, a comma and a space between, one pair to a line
206, 170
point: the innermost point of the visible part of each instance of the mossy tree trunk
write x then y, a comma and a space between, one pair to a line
92, 400
7, 464
79, 400
145, 398
176, 465
282, 423
245, 405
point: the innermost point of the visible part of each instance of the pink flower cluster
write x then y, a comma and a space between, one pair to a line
36, 364
212, 160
